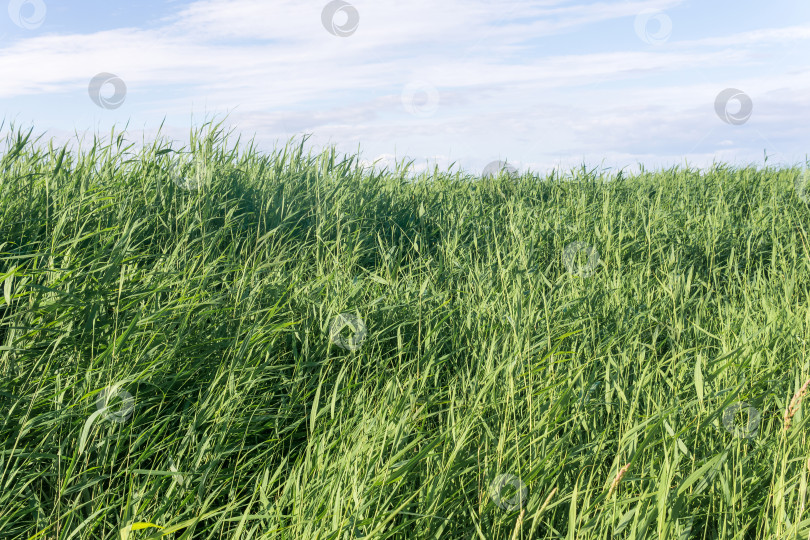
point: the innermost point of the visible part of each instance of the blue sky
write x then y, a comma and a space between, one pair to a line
540, 84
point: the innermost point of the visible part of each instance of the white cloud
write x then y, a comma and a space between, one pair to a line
279, 72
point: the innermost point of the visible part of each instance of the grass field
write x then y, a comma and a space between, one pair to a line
173, 361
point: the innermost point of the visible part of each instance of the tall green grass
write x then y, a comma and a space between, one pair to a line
204, 284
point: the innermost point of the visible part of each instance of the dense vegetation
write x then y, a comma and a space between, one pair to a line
172, 362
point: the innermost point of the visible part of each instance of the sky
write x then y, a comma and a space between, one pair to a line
541, 85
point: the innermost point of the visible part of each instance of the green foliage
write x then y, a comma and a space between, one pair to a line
166, 367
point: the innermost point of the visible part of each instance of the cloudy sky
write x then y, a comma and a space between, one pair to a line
540, 84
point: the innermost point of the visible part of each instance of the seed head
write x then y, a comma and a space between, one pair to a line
618, 479
794, 404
